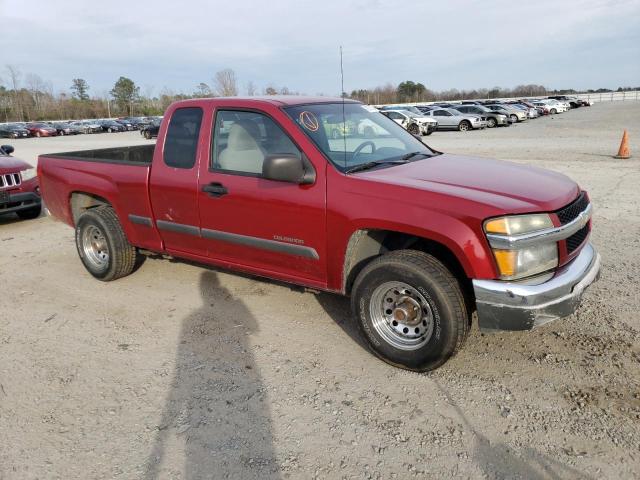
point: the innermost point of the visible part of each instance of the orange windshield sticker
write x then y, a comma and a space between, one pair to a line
309, 121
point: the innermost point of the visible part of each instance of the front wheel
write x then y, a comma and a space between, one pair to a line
553, 111
464, 126
102, 245
410, 309
513, 117
414, 129
147, 134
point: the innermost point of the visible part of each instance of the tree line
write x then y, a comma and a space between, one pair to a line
27, 97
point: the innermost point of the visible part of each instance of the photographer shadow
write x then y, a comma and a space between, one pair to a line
216, 421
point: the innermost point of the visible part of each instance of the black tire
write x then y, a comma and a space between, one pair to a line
38, 134
414, 129
435, 284
553, 111
61, 133
110, 130
514, 118
491, 122
147, 134
464, 126
30, 213
429, 132
121, 255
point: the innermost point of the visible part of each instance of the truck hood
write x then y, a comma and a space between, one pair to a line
505, 186
12, 164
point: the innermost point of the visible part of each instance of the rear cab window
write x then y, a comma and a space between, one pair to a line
181, 142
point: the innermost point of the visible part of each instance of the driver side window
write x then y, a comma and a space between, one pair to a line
243, 139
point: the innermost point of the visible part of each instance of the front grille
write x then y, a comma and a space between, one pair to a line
571, 211
10, 180
575, 240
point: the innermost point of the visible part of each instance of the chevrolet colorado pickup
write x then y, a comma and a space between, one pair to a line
19, 190
418, 239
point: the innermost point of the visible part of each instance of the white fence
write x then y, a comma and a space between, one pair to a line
610, 96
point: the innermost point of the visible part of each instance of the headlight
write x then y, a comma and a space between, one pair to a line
527, 261
518, 224
28, 174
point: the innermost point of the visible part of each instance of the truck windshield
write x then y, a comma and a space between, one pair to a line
361, 135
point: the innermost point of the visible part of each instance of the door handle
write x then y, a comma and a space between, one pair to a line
215, 189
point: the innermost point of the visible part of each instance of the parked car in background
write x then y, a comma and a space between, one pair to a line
452, 119
515, 114
555, 106
543, 108
407, 108
573, 102
111, 126
66, 128
125, 123
412, 122
9, 130
37, 129
494, 119
151, 130
530, 111
19, 187
88, 126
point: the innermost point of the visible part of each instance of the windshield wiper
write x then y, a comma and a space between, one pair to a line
375, 163
413, 154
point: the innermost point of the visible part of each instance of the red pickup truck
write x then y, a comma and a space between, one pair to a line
418, 239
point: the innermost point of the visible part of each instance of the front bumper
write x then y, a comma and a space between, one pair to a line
19, 201
428, 128
516, 306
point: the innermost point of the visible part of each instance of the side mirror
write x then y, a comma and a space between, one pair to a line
288, 168
8, 149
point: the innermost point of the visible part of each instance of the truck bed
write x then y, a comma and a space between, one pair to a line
139, 155
118, 176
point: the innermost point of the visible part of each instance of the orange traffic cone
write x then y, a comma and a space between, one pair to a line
624, 151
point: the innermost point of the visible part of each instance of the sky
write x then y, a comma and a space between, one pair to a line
174, 45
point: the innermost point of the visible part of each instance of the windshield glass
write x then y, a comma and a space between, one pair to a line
361, 136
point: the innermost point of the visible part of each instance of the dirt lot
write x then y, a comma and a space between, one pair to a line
178, 371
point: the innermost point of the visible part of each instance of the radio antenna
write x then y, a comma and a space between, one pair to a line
344, 118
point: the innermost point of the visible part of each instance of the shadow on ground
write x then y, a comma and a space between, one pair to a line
498, 460
216, 421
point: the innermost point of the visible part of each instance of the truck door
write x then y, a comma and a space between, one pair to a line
266, 226
173, 186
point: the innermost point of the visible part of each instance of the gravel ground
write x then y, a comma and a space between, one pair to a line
179, 371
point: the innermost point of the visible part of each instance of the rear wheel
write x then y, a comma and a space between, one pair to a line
513, 117
147, 134
553, 111
38, 134
110, 130
102, 245
491, 122
464, 126
61, 133
410, 309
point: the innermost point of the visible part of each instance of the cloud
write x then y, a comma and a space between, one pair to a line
453, 44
